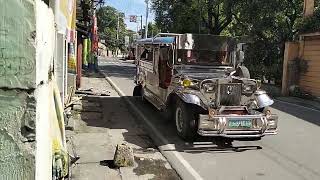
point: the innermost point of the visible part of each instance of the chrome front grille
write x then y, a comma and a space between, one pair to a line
229, 94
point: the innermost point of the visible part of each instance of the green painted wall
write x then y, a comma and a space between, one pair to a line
17, 117
17, 83
17, 51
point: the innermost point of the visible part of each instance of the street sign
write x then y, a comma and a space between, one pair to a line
133, 18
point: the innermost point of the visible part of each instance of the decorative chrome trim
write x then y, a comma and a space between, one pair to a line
223, 131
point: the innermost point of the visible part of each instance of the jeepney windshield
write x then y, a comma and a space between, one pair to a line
202, 57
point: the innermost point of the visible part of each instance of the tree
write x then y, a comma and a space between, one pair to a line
152, 30
188, 16
268, 23
171, 16
108, 27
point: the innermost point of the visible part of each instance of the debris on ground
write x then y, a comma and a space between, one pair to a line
159, 168
77, 107
92, 93
123, 156
100, 124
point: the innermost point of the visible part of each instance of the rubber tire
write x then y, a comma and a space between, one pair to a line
243, 72
189, 121
137, 90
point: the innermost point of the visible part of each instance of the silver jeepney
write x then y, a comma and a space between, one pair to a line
199, 82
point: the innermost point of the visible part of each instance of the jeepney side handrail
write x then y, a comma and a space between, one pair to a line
167, 34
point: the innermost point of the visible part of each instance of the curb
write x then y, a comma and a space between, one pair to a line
168, 150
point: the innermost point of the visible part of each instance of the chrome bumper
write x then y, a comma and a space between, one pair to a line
219, 126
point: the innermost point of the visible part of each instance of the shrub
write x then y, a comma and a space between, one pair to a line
309, 24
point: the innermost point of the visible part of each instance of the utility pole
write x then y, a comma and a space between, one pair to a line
200, 15
141, 19
147, 15
118, 29
118, 26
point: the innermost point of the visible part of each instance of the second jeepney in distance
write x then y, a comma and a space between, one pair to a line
199, 82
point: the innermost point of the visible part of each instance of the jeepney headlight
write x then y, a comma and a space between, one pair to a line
186, 83
248, 88
209, 87
209, 124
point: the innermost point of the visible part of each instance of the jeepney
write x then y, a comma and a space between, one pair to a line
199, 82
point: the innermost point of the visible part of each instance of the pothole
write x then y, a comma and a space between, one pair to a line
156, 167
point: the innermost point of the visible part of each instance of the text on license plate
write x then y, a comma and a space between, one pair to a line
240, 123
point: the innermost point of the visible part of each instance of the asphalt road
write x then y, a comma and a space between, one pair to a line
292, 154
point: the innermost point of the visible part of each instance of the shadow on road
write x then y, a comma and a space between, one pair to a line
111, 116
119, 71
301, 113
113, 113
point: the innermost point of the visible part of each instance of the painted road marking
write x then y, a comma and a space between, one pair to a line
163, 149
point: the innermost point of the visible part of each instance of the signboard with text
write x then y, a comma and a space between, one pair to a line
133, 18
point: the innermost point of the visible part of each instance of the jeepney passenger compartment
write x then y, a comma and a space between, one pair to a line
164, 69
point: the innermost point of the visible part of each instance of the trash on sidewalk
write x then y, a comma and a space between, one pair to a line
123, 156
74, 100
90, 92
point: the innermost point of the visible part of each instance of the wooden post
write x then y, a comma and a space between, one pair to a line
79, 66
308, 8
291, 52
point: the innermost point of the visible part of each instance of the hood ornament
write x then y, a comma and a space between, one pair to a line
229, 90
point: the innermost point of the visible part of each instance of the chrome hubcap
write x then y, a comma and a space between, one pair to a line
179, 122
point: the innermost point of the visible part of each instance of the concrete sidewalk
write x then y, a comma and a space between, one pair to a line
102, 123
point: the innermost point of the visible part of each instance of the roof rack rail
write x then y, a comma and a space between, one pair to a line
167, 34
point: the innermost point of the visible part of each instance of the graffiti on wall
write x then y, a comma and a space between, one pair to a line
17, 51
14, 66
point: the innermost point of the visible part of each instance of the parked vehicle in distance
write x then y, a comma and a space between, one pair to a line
198, 81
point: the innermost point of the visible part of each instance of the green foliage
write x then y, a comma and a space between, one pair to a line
153, 30
108, 23
310, 24
268, 23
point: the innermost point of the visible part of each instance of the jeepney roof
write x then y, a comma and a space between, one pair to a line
157, 40
207, 42
194, 41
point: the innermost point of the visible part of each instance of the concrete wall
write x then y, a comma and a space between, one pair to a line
17, 84
45, 48
28, 120
290, 54
309, 81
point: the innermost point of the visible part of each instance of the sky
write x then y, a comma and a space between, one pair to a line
131, 7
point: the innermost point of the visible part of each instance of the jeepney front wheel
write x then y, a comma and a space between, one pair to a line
137, 91
186, 120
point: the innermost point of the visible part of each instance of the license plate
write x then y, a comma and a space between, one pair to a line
240, 123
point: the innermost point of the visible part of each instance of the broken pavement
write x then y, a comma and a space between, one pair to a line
100, 124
